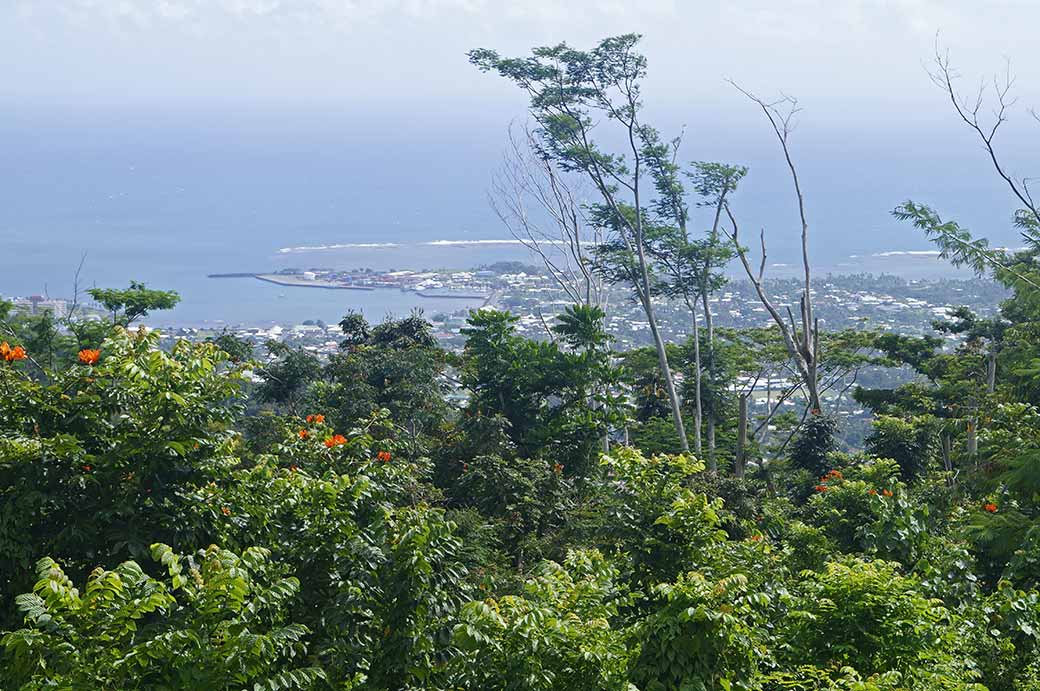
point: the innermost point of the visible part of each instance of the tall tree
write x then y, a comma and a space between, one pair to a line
802, 343
568, 87
713, 183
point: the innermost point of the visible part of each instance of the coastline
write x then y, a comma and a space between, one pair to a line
304, 283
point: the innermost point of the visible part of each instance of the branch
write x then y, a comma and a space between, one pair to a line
943, 77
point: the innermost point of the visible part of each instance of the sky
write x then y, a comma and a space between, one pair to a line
417, 130
867, 55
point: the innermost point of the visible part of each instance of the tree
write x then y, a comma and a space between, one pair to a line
288, 376
691, 269
813, 444
802, 345
567, 87
237, 349
713, 183
133, 303
396, 365
537, 202
561, 398
908, 442
580, 328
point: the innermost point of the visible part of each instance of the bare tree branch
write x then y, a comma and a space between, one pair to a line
944, 76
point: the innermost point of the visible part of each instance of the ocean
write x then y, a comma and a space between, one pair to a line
167, 199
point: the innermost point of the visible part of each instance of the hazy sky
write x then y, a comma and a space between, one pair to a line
389, 78
837, 55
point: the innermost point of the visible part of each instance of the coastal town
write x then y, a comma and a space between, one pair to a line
884, 303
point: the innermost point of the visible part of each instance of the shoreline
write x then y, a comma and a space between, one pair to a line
290, 281
301, 283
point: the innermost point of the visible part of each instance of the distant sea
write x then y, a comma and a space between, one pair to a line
215, 302
168, 200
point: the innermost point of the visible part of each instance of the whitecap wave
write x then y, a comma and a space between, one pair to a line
907, 253
343, 246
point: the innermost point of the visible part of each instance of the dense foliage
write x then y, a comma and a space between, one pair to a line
384, 539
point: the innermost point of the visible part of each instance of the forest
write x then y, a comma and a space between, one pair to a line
211, 517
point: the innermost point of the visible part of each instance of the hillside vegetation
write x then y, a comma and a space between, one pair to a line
209, 517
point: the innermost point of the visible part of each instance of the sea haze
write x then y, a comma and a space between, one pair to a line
169, 198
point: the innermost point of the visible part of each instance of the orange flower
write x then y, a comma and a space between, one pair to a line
88, 356
756, 538
303, 434
820, 488
310, 419
384, 456
557, 468
991, 507
87, 468
835, 474
887, 492
465, 467
293, 468
225, 510
335, 440
9, 354
872, 492
319, 419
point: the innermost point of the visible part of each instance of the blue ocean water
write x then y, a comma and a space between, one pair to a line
169, 198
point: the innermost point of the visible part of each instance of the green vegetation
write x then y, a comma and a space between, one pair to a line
196, 518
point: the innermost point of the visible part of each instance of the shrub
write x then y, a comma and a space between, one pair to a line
219, 621
703, 635
556, 635
864, 615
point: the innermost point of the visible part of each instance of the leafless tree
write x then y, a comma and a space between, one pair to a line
540, 207
996, 98
802, 341
971, 112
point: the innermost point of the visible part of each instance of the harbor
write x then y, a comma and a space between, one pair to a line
447, 285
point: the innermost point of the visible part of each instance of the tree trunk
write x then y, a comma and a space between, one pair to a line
709, 325
713, 463
697, 409
662, 353
666, 374
991, 371
739, 460
812, 346
648, 307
